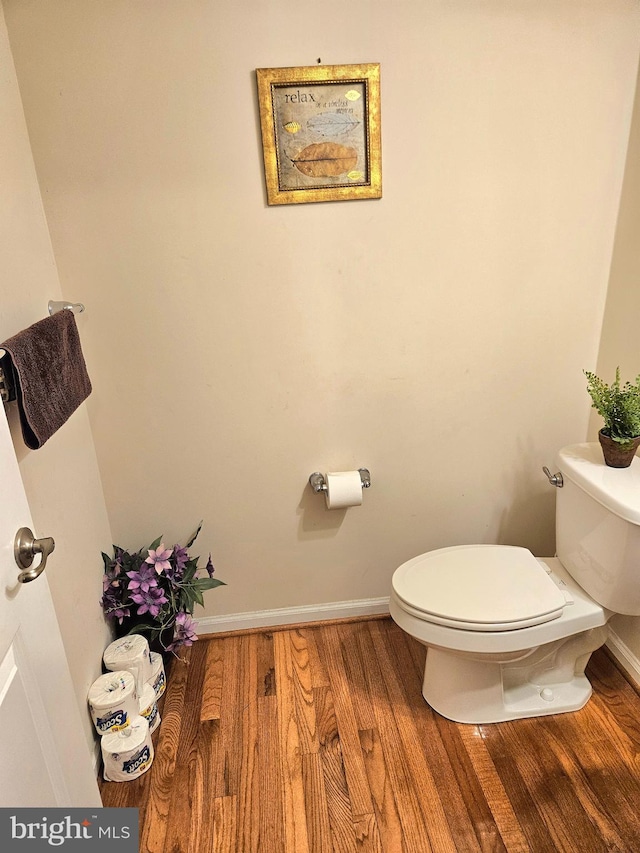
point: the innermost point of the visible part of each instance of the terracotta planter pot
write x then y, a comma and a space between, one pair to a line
618, 455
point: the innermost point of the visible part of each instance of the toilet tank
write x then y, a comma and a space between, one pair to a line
598, 526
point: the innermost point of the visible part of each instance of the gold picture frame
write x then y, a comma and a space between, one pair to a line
321, 132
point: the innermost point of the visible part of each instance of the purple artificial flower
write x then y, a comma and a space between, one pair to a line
150, 601
159, 558
181, 557
143, 579
114, 569
112, 602
209, 567
177, 565
114, 595
184, 632
163, 587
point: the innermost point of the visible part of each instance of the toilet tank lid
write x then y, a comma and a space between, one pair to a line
617, 489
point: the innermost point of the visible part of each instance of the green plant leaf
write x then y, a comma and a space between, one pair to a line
209, 583
194, 536
155, 543
140, 629
190, 570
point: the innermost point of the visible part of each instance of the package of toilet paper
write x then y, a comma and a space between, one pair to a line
128, 754
113, 701
131, 653
149, 708
158, 678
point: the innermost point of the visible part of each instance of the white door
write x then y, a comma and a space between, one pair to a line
44, 758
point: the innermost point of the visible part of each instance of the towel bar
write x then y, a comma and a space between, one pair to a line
76, 307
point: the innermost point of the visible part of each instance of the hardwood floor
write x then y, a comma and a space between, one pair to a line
317, 739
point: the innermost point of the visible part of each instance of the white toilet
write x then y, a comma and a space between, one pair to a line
508, 635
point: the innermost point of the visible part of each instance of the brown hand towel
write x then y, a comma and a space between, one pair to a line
49, 374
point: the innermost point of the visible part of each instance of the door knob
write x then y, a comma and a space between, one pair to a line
24, 550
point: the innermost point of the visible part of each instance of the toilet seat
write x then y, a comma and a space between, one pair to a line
478, 588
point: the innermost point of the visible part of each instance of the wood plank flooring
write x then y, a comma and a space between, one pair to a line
316, 739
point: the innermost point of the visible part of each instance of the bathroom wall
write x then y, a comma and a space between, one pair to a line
620, 341
436, 336
61, 479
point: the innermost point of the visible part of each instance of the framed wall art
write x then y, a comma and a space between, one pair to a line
321, 132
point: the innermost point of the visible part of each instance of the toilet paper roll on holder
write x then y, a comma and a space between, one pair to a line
318, 483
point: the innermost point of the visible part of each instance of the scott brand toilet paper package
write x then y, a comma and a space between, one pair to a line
113, 701
149, 708
130, 653
129, 753
158, 678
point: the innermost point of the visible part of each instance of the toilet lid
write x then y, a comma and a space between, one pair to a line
479, 588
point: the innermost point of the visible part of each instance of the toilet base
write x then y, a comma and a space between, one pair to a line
550, 680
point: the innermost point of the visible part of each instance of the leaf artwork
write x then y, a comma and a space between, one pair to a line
332, 124
325, 160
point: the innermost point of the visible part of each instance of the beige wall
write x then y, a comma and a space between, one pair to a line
61, 479
620, 341
436, 336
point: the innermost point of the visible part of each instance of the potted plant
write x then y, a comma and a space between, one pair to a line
153, 592
619, 406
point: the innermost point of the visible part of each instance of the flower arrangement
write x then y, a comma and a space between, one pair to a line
154, 591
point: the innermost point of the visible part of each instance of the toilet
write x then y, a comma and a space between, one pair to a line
509, 635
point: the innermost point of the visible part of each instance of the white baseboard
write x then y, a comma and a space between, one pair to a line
292, 615
352, 609
625, 657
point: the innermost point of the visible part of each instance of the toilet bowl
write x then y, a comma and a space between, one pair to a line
484, 671
508, 635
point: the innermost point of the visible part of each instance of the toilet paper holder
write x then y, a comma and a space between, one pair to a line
318, 484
